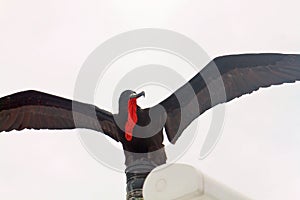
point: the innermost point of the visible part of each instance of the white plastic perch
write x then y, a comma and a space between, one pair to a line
184, 182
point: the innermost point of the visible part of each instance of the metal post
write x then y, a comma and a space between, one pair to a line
136, 175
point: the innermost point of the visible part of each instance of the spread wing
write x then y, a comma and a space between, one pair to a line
224, 79
38, 110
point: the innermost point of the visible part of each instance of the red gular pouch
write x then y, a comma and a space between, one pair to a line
132, 118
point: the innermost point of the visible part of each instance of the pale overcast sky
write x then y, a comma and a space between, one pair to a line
43, 45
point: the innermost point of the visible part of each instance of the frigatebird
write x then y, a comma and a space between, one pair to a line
239, 74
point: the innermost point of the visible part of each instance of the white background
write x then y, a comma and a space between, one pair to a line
44, 43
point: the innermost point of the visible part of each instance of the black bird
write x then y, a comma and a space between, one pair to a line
223, 79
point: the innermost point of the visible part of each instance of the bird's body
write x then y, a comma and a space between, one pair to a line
144, 142
223, 79
137, 144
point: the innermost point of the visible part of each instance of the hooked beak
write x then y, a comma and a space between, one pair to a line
135, 95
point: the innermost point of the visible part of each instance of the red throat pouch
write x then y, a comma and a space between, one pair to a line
132, 118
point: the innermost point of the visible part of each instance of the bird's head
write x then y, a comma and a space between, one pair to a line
125, 97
